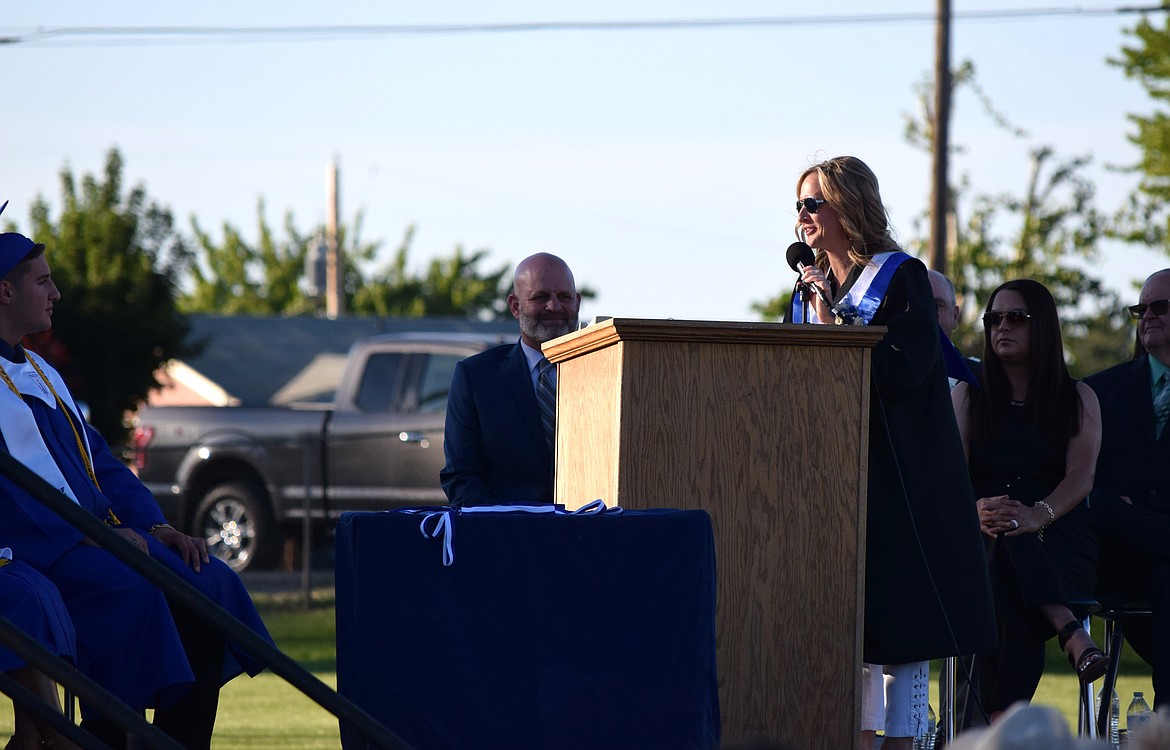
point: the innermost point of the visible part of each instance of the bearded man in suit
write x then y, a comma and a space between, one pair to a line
498, 442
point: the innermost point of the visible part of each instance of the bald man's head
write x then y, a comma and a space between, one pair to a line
544, 299
943, 291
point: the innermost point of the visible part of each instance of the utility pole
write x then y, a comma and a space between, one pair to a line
940, 188
334, 263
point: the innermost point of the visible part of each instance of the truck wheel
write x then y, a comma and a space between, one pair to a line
238, 528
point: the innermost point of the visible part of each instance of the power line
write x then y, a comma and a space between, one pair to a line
112, 35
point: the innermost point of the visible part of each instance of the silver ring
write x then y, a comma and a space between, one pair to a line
1015, 524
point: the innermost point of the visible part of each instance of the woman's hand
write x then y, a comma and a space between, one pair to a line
813, 276
1000, 515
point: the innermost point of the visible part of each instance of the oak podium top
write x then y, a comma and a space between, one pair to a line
614, 330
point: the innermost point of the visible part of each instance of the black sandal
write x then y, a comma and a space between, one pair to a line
1093, 662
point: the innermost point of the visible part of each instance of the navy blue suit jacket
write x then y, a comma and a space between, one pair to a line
1132, 462
1134, 557
493, 442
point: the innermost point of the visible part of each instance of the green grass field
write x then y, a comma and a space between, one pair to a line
265, 713
1058, 687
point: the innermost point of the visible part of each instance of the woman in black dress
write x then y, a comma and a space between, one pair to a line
1031, 434
927, 595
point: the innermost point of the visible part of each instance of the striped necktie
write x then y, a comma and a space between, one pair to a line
546, 399
1161, 403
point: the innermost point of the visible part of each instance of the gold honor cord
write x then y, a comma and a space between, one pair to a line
113, 519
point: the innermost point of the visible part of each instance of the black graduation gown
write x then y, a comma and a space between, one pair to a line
926, 572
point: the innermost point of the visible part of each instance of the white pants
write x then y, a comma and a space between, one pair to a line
894, 697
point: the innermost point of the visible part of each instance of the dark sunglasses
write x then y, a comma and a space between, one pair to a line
809, 204
1158, 307
993, 318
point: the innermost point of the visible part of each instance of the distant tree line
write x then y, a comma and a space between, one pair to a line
128, 279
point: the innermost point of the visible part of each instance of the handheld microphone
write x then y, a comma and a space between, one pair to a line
799, 256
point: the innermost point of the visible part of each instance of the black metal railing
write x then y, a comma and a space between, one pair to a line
181, 592
139, 732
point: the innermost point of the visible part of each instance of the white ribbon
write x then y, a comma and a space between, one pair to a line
442, 527
438, 523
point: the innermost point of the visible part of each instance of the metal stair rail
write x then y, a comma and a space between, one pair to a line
140, 733
375, 734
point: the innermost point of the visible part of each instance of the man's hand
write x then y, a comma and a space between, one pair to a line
193, 550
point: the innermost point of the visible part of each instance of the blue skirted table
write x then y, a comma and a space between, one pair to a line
530, 630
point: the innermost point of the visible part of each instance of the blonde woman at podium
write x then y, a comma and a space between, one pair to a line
926, 586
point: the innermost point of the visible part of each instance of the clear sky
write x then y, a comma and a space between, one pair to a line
661, 164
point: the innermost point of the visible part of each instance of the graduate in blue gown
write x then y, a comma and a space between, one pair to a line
129, 638
30, 602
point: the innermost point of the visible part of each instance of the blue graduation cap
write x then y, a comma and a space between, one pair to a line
14, 247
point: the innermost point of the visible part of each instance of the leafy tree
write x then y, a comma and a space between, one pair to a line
1056, 239
450, 286
1054, 234
114, 258
234, 277
775, 308
1146, 218
919, 132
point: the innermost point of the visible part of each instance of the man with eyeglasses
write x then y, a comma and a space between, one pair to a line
1131, 494
949, 313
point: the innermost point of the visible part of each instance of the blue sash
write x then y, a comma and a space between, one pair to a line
872, 297
796, 311
955, 361
866, 295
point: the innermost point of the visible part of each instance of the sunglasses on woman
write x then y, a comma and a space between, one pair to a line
809, 204
1158, 307
993, 318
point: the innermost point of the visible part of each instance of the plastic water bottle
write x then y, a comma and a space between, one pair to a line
1137, 714
1114, 719
925, 741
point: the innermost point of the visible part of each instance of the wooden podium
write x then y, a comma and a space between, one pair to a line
765, 427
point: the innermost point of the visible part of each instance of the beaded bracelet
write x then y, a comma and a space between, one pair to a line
1051, 518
